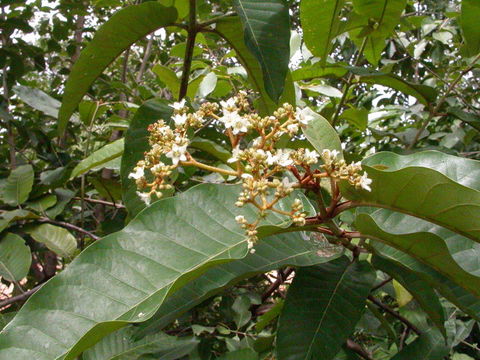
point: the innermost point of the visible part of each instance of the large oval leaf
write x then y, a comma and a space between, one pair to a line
57, 239
18, 185
126, 276
122, 30
15, 257
266, 27
322, 135
323, 305
231, 30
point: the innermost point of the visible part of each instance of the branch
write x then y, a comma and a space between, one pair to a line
68, 226
383, 283
187, 62
394, 314
103, 202
282, 276
20, 297
356, 348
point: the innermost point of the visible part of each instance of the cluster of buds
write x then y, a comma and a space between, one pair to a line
338, 169
256, 161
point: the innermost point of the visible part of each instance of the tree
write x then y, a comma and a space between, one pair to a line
336, 146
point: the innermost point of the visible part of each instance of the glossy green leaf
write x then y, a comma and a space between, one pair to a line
131, 272
123, 29
57, 239
266, 26
320, 23
429, 346
271, 253
322, 135
18, 185
15, 257
125, 345
231, 30
136, 143
323, 305
469, 23
417, 287
99, 157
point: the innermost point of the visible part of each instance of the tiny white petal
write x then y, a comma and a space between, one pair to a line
247, 176
138, 173
180, 119
178, 105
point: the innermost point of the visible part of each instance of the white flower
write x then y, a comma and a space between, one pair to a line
178, 105
178, 153
292, 128
330, 154
283, 158
235, 154
230, 118
240, 125
311, 157
157, 168
271, 159
229, 104
247, 176
145, 197
305, 115
180, 119
365, 182
240, 219
138, 173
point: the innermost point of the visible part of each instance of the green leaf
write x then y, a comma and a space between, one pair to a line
211, 148
386, 14
322, 135
42, 204
323, 305
356, 117
125, 345
230, 29
469, 24
429, 346
320, 25
101, 156
317, 71
417, 287
423, 93
57, 239
271, 253
243, 354
136, 143
18, 185
15, 257
266, 27
131, 272
123, 29
169, 78
469, 118
63, 198
346, 354
7, 217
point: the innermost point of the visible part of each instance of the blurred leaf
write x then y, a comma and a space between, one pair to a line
429, 346
57, 239
320, 24
357, 117
18, 185
266, 27
469, 23
101, 156
243, 354
469, 118
123, 29
310, 326
15, 257
7, 217
42, 204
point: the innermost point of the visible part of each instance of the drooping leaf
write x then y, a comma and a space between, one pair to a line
18, 185
8, 217
322, 135
419, 288
266, 26
136, 143
57, 239
231, 30
320, 23
323, 305
271, 253
429, 346
125, 345
131, 272
123, 29
15, 257
101, 156
469, 24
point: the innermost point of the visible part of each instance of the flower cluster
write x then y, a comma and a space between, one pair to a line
269, 173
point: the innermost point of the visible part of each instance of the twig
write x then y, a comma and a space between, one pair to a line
384, 282
394, 314
356, 348
283, 275
68, 226
187, 62
20, 297
103, 202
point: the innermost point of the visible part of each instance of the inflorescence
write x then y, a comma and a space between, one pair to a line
257, 159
